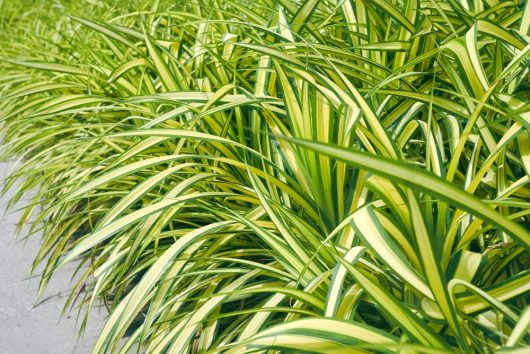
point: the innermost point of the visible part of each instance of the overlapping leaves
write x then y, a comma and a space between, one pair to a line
282, 175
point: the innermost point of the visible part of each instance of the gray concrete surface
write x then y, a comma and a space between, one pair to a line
24, 327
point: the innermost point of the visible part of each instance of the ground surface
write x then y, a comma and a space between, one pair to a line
24, 327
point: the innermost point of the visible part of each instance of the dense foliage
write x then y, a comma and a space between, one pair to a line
278, 175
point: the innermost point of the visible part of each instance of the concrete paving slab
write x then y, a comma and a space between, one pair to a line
24, 327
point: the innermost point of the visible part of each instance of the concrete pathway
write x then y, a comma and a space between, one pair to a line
24, 327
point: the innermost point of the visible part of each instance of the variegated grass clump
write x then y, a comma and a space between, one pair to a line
279, 176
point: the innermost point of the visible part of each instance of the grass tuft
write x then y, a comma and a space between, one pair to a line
278, 176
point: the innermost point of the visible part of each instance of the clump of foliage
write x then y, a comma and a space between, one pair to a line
279, 176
